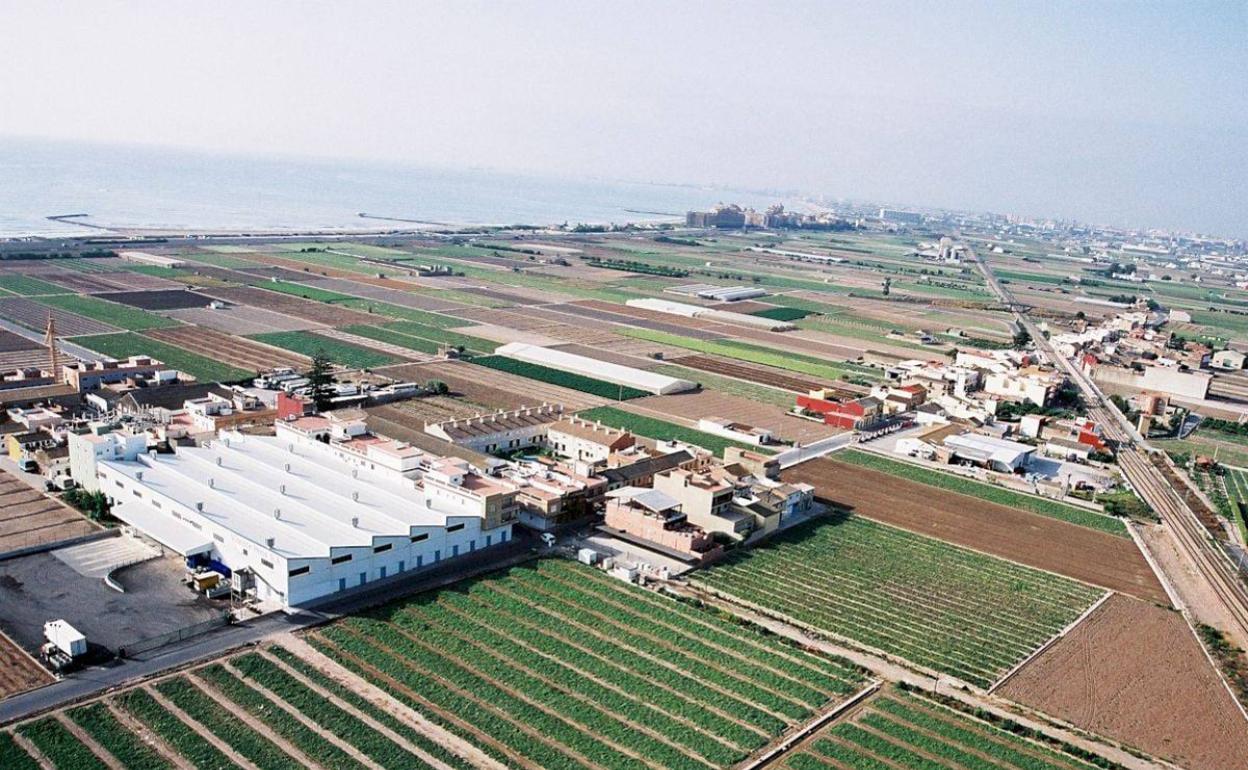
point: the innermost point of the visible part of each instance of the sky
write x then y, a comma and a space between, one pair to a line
1130, 113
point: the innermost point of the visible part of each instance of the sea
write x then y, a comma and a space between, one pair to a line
131, 187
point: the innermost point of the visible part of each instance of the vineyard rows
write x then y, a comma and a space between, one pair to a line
899, 730
564, 667
934, 604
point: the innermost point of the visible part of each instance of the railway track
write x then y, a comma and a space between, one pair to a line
1150, 482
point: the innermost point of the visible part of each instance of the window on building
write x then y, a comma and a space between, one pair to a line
297, 571
455, 528
218, 538
454, 551
418, 538
340, 559
381, 572
363, 578
383, 548
267, 563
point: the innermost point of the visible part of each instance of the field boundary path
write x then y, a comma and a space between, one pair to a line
811, 727
895, 672
1049, 643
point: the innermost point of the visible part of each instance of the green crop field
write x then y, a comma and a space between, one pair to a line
992, 494
341, 353
662, 430
943, 607
903, 730
559, 666
108, 731
301, 290
13, 283
442, 335
121, 316
559, 377
393, 338
58, 744
782, 313
758, 354
126, 344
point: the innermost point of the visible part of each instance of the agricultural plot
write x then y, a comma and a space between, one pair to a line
25, 285
390, 296
234, 351
705, 404
83, 283
779, 313
174, 356
900, 729
1133, 672
160, 299
609, 313
111, 313
493, 388
18, 673
992, 494
33, 315
341, 353
559, 377
752, 373
757, 354
310, 310
28, 517
662, 430
241, 320
1038, 541
559, 666
431, 336
939, 606
12, 343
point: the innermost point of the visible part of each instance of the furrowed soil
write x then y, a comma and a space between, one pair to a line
1027, 538
1135, 673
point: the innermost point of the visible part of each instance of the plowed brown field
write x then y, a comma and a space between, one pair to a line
1027, 538
319, 312
1134, 672
235, 351
18, 673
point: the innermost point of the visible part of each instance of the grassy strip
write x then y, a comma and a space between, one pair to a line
116, 738
126, 344
112, 313
28, 286
992, 494
343, 353
662, 430
757, 354
247, 742
393, 338
182, 739
59, 745
14, 757
559, 377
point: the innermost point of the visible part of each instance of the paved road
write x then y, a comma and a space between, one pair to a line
96, 680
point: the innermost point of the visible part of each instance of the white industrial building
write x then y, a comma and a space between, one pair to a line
994, 453
627, 376
710, 314
297, 521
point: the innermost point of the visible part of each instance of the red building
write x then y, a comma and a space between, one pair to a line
291, 406
850, 415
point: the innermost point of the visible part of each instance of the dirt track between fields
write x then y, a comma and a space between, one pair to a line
1134, 672
1028, 538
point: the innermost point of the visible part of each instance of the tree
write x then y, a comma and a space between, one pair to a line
437, 387
320, 381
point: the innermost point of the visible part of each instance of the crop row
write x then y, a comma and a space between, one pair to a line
276, 720
903, 731
972, 488
309, 344
59, 745
25, 285
662, 430
941, 606
248, 742
564, 668
106, 730
14, 757
559, 377
172, 730
126, 344
758, 354
111, 313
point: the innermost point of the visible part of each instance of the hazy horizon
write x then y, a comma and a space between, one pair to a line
1111, 113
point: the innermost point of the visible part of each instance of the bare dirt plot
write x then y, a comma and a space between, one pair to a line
242, 320
436, 409
83, 282
28, 517
623, 359
513, 320
688, 408
298, 307
645, 319
506, 334
18, 671
127, 279
1038, 541
245, 354
33, 315
10, 342
1134, 672
159, 299
760, 374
